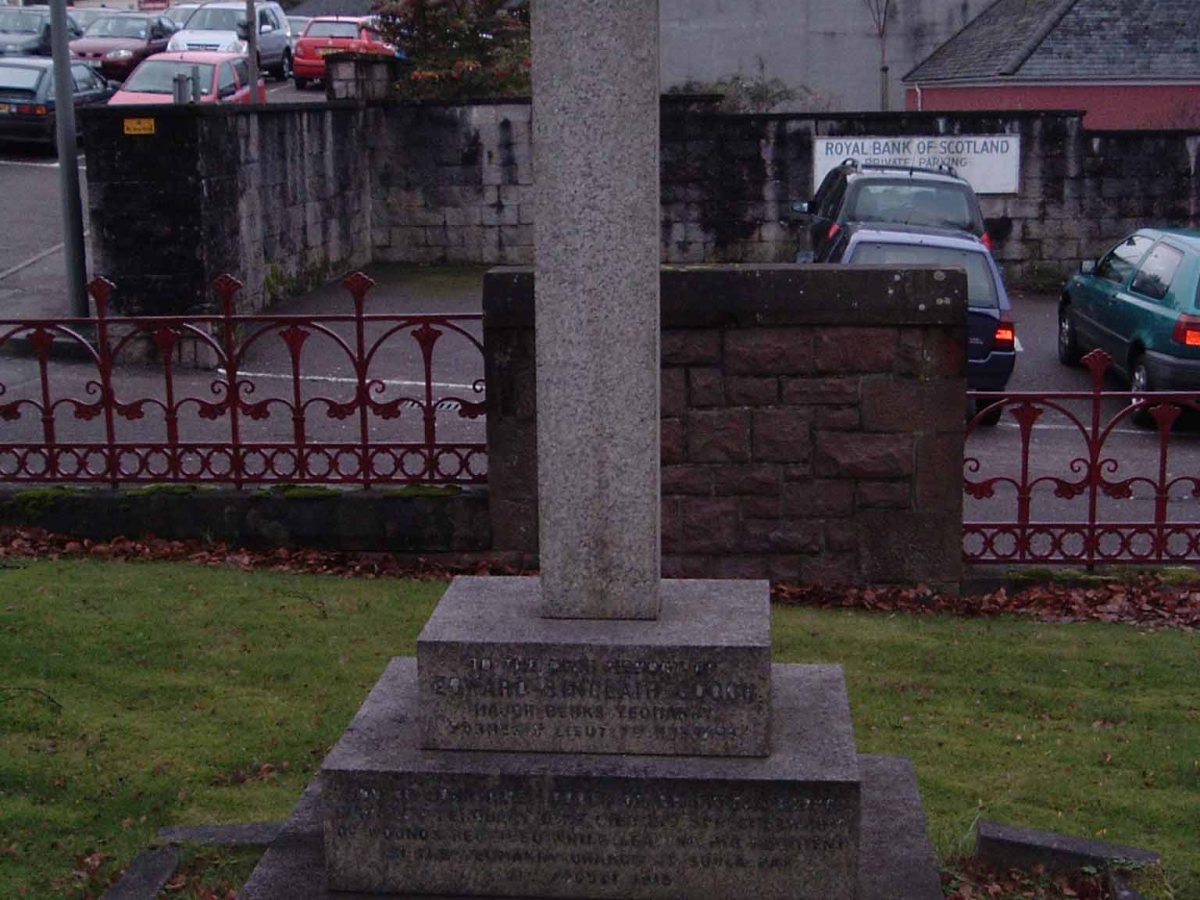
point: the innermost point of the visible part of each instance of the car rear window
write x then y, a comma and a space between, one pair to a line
119, 26
19, 78
1157, 271
911, 203
21, 21
157, 76
981, 288
332, 29
206, 19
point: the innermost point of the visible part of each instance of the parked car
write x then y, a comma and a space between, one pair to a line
224, 78
296, 25
991, 332
27, 98
25, 30
181, 12
221, 26
1139, 303
86, 15
853, 192
116, 43
335, 34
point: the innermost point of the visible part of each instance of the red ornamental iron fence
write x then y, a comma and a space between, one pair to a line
1107, 496
323, 411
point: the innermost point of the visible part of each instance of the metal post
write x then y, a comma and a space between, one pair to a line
197, 89
252, 48
182, 92
68, 168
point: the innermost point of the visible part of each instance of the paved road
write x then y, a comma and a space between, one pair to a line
1058, 443
31, 284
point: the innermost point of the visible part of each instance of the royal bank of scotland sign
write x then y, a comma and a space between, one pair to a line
991, 162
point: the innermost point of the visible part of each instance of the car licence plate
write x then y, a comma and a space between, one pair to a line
325, 51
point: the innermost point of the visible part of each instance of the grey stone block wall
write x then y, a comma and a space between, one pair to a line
454, 183
296, 193
278, 197
812, 423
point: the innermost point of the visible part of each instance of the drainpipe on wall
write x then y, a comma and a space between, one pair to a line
920, 99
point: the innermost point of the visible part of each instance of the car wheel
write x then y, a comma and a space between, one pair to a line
1069, 353
1139, 386
301, 83
284, 72
991, 418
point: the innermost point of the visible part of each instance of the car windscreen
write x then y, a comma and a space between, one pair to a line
119, 26
21, 21
206, 19
981, 289
332, 29
912, 203
157, 76
19, 78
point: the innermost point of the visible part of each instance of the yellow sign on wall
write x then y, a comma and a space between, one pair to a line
139, 126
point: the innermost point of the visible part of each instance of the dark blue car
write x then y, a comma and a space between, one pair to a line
991, 334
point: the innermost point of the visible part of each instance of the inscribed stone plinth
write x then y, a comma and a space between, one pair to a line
695, 681
595, 128
784, 827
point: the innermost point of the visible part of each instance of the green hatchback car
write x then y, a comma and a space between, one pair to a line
1139, 302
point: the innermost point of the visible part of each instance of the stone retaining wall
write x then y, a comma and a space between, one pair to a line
421, 520
278, 197
812, 422
295, 193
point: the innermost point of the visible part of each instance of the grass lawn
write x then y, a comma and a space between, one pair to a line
134, 696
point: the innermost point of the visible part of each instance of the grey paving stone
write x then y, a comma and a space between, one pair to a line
145, 876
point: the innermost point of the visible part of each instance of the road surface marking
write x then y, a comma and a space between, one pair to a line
1147, 432
1017, 344
38, 165
337, 379
36, 259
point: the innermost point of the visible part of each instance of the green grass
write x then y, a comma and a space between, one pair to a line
134, 696
1091, 730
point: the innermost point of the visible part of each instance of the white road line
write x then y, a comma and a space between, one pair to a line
336, 379
35, 259
38, 165
1145, 432
1017, 344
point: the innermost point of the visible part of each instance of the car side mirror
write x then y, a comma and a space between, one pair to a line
1087, 267
242, 30
800, 208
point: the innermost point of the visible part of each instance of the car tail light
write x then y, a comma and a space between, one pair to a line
1187, 331
986, 240
833, 230
1005, 337
29, 109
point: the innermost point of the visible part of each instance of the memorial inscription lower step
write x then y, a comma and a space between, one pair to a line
494, 675
400, 818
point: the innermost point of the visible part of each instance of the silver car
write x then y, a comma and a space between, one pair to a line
221, 25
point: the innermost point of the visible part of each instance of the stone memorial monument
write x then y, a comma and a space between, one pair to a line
597, 732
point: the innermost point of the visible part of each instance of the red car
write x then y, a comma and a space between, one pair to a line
334, 34
116, 43
224, 78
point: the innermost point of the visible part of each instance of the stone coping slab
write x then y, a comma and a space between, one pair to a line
896, 859
761, 294
1009, 846
495, 675
592, 825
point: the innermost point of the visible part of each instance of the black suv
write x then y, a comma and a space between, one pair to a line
852, 192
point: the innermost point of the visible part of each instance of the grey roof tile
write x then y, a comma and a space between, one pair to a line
1072, 40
